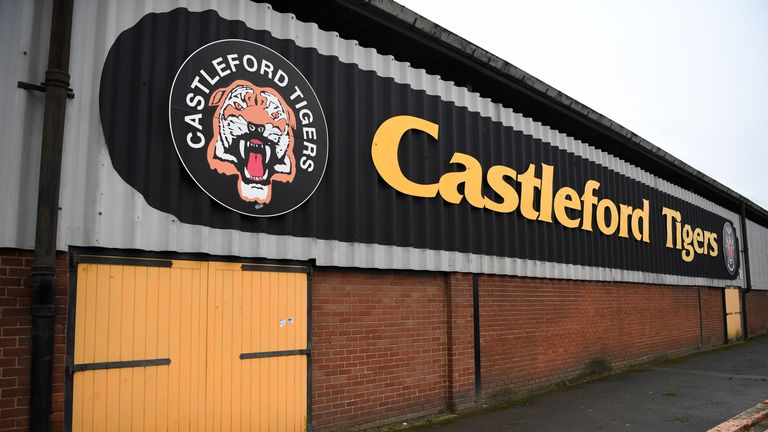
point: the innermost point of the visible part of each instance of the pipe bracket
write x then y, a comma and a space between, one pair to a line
41, 88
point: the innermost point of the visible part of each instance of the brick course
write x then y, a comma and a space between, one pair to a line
15, 342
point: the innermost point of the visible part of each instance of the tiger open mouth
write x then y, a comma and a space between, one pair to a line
257, 157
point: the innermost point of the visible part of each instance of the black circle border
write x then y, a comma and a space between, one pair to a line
325, 124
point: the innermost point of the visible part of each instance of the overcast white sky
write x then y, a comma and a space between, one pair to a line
689, 76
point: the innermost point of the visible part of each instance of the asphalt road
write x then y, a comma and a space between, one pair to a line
692, 394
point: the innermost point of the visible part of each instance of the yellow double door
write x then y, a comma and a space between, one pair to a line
733, 318
189, 345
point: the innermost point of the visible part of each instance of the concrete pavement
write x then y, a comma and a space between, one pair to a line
694, 393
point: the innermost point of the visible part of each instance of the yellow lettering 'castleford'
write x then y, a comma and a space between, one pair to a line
384, 154
502, 189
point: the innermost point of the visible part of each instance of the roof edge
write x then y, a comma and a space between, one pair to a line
399, 14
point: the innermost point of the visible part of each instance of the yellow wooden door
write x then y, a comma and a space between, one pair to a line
733, 313
257, 340
139, 352
187, 345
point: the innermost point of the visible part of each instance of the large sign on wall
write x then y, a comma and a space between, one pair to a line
240, 110
230, 123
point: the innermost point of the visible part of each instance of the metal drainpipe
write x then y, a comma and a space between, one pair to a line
747, 275
44, 266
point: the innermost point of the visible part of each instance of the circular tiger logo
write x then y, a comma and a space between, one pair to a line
248, 127
730, 248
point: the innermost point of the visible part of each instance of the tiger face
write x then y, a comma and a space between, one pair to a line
252, 139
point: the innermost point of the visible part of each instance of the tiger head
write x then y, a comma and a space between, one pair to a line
252, 139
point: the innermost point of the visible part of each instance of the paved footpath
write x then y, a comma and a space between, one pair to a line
692, 394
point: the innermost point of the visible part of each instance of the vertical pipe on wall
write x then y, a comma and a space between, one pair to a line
725, 316
747, 276
44, 266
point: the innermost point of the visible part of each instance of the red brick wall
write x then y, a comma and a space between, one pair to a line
391, 346
378, 347
757, 312
538, 332
16, 335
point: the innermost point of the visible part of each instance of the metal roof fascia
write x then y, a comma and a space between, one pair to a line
398, 15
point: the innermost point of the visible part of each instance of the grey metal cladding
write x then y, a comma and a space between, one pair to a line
24, 35
100, 209
758, 255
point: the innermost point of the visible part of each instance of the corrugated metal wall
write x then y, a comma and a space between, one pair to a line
757, 236
25, 28
100, 209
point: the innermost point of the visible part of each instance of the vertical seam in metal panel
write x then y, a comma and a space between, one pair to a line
476, 325
70, 343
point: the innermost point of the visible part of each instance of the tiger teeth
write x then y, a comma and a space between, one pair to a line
269, 153
242, 148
